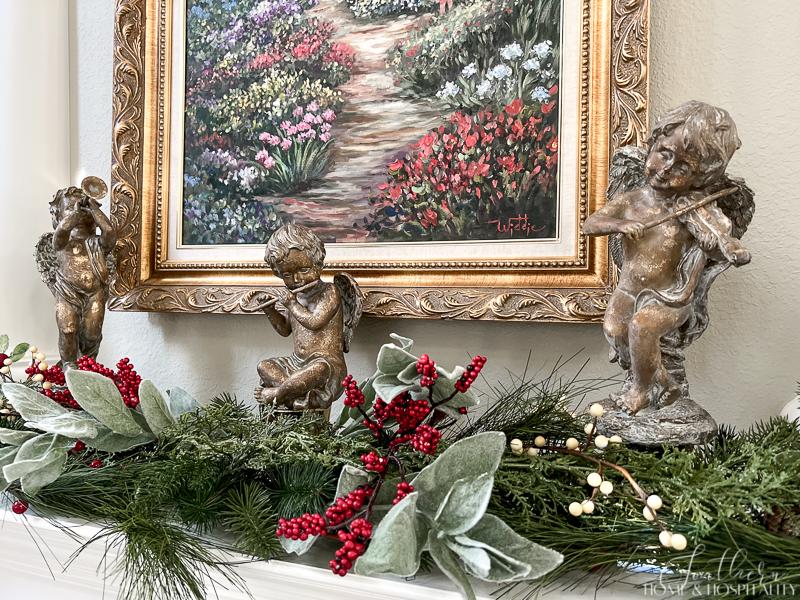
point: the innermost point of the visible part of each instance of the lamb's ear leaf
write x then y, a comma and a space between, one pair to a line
350, 478
514, 557
19, 351
46, 474
388, 387
298, 547
14, 437
99, 396
465, 504
180, 401
477, 561
466, 459
446, 387
154, 407
36, 453
392, 359
75, 425
109, 441
3, 342
448, 562
30, 404
7, 456
397, 542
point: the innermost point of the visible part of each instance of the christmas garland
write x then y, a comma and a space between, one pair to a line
397, 485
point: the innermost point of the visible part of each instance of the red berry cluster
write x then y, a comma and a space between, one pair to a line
354, 545
374, 462
19, 507
347, 506
403, 489
427, 368
406, 412
470, 373
126, 379
300, 528
426, 439
353, 396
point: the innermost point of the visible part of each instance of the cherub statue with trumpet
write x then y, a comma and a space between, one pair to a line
320, 316
677, 219
76, 263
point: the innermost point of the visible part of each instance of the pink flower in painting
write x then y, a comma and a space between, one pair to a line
312, 107
308, 118
325, 137
265, 159
264, 136
326, 127
303, 126
329, 115
292, 130
298, 111
286, 144
285, 126
318, 120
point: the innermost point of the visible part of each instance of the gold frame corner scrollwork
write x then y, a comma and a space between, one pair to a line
614, 94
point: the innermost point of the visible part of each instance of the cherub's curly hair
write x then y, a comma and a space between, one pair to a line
55, 203
707, 131
294, 237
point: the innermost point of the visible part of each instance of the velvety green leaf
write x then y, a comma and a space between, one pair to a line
403, 342
19, 351
154, 407
350, 478
3, 342
477, 561
446, 386
389, 387
466, 459
393, 359
13, 437
99, 396
513, 556
180, 401
298, 547
31, 404
409, 374
465, 504
74, 424
36, 453
7, 456
397, 542
108, 441
448, 562
46, 474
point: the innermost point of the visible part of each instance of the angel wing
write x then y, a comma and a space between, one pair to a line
46, 261
626, 173
739, 206
352, 302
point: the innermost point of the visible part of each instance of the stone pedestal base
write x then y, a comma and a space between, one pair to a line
683, 423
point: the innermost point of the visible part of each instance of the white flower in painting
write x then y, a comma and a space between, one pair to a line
449, 90
511, 51
540, 94
532, 64
469, 70
500, 71
246, 177
483, 88
542, 49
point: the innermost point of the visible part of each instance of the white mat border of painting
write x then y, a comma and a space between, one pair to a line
565, 245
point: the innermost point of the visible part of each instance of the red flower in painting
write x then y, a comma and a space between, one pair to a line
412, 52
514, 108
396, 165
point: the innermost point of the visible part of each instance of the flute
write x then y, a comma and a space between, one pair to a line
272, 301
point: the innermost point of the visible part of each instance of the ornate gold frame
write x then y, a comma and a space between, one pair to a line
614, 91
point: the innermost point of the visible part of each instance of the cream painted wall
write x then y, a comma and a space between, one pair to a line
743, 369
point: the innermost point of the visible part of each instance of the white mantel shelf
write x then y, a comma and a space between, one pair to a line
25, 574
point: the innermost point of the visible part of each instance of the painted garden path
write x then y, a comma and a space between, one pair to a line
375, 126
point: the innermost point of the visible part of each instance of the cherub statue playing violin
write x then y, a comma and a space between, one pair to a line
679, 218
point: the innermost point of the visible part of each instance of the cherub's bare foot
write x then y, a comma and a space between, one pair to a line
671, 390
267, 395
632, 402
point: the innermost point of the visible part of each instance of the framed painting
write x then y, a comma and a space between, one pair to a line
446, 151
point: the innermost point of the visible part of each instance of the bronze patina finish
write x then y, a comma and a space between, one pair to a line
320, 316
674, 241
75, 263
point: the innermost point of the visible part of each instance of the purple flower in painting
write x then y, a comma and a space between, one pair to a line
264, 12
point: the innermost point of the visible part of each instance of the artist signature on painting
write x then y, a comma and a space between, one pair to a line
519, 224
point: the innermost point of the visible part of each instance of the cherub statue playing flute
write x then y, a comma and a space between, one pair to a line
677, 220
320, 316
